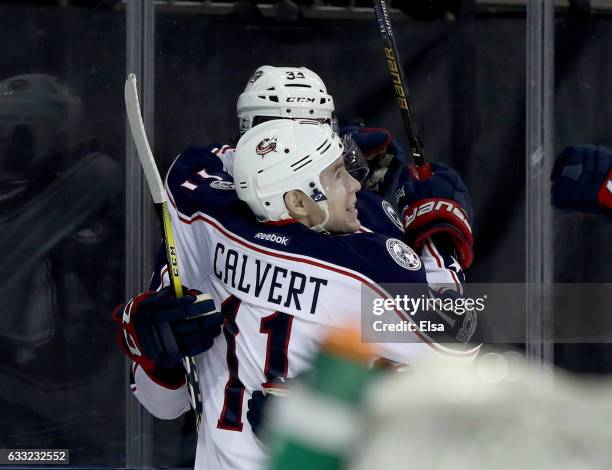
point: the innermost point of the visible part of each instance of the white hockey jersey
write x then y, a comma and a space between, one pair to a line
281, 286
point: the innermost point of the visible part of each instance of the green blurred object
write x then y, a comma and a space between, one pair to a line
317, 427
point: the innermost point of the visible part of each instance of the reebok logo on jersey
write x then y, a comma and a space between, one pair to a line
272, 237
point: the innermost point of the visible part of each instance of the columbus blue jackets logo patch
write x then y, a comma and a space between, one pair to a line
390, 211
266, 146
403, 255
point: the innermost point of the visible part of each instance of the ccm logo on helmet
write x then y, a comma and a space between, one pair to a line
271, 237
431, 206
266, 146
299, 99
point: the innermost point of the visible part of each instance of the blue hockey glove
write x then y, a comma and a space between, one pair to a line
156, 330
582, 178
435, 206
384, 156
260, 402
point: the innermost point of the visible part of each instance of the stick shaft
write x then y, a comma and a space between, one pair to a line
399, 81
159, 198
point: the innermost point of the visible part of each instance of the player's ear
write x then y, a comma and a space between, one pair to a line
296, 204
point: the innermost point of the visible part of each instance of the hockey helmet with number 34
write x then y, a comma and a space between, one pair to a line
279, 156
283, 92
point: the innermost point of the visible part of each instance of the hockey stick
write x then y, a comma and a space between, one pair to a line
399, 82
161, 204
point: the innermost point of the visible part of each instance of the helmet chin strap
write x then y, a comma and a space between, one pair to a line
321, 227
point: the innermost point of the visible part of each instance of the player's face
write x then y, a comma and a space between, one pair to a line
340, 189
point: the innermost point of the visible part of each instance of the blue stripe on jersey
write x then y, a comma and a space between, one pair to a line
369, 254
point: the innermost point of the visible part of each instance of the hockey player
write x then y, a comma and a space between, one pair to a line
285, 267
271, 93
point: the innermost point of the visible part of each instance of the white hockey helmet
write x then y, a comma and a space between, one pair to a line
280, 156
283, 92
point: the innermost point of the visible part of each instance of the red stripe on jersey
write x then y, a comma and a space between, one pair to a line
434, 251
280, 222
428, 244
164, 271
457, 282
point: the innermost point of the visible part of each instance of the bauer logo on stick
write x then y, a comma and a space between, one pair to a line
266, 146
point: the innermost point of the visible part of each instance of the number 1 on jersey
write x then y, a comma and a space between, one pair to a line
231, 414
278, 328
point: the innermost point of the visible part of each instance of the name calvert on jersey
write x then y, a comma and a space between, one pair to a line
268, 282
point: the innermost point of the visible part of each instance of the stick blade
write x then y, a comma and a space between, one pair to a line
140, 140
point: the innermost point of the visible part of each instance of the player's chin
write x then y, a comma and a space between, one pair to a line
352, 222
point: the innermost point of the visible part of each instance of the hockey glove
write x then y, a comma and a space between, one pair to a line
260, 402
437, 206
582, 179
385, 158
156, 330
